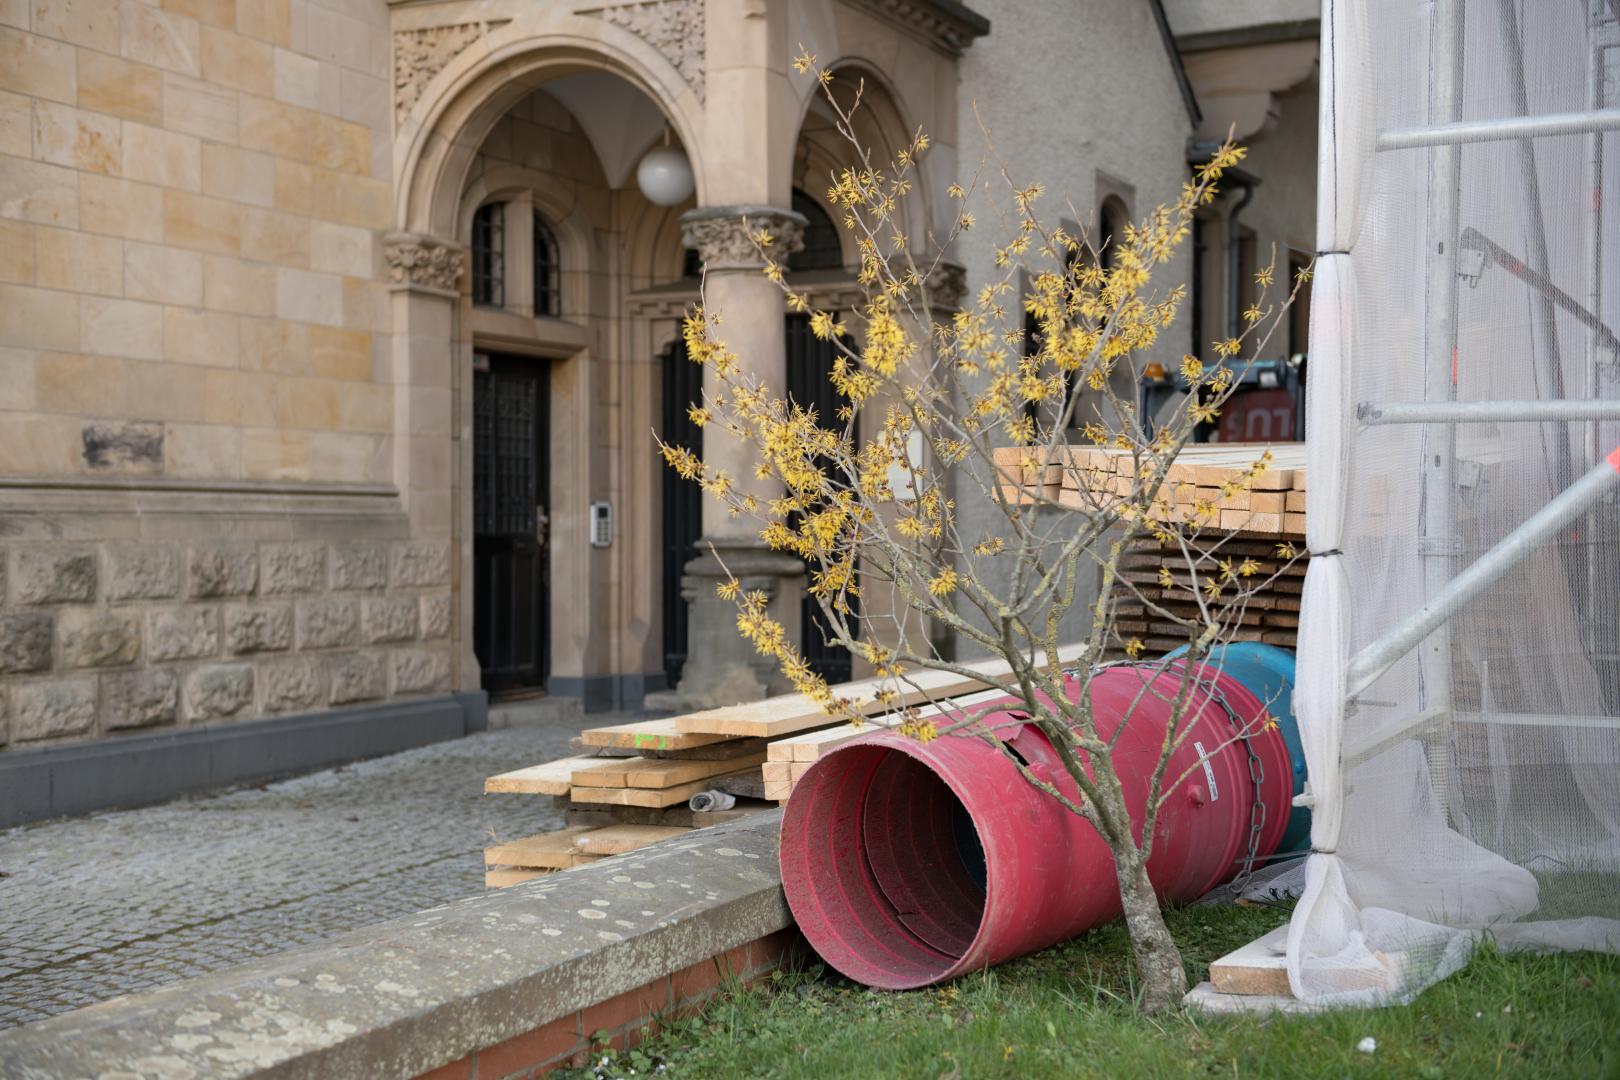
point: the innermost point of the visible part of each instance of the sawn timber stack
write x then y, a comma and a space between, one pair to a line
630, 784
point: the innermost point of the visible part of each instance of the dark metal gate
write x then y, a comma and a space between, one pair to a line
511, 495
809, 382
683, 500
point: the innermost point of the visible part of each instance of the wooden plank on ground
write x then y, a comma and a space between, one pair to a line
670, 796
551, 778
661, 734
617, 839
552, 850
1260, 967
639, 772
792, 713
500, 879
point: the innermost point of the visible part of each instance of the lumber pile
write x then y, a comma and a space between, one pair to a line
1209, 484
1270, 615
630, 785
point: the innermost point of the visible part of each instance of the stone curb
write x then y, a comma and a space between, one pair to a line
409, 995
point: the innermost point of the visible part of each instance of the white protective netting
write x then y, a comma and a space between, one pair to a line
1474, 786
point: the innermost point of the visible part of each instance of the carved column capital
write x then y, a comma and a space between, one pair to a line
724, 235
946, 285
424, 262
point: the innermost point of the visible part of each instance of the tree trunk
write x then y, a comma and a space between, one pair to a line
1158, 961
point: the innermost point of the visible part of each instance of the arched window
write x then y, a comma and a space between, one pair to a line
489, 255
547, 270
821, 248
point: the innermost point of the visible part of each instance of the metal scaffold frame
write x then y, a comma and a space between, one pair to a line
1445, 590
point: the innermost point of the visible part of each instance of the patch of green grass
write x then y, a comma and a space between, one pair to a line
1068, 1012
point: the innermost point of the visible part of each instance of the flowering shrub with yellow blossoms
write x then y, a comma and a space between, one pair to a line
870, 514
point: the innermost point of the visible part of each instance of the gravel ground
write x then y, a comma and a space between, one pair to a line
98, 906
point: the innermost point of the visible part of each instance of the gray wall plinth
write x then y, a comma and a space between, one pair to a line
77, 778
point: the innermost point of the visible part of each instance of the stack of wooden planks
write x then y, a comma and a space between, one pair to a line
1209, 484
1270, 615
629, 785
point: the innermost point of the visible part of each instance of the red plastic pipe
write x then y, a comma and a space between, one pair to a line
909, 863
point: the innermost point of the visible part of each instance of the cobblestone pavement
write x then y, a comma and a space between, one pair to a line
94, 907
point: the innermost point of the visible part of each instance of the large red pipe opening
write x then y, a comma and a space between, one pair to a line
907, 863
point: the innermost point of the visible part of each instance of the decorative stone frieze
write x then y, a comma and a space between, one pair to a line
673, 27
96, 638
223, 572
436, 616
425, 262
389, 618
254, 628
357, 677
359, 566
25, 643
181, 633
421, 54
51, 575
44, 710
142, 572
422, 563
947, 285
418, 671
328, 622
292, 568
214, 693
139, 699
292, 685
727, 237
102, 637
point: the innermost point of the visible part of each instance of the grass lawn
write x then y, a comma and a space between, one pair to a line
1067, 1012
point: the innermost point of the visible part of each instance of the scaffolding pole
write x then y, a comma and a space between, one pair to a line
1513, 127
1371, 662
1374, 413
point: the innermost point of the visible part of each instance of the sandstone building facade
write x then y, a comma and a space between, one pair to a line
333, 332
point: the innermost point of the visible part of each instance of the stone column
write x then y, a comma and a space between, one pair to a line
433, 416
722, 668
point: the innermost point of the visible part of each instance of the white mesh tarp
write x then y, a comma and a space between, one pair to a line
1473, 787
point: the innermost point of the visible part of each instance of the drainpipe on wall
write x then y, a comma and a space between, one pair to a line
1199, 151
1234, 250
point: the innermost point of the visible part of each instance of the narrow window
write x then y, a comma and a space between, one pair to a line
489, 255
547, 271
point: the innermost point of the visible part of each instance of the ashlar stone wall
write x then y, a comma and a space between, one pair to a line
99, 638
192, 195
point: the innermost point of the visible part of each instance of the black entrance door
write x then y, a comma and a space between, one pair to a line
511, 493
683, 500
809, 380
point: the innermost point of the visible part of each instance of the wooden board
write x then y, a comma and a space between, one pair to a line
500, 879
617, 839
670, 796
552, 850
791, 713
659, 734
1260, 967
640, 772
744, 808
744, 785
551, 778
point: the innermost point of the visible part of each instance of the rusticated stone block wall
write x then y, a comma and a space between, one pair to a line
99, 637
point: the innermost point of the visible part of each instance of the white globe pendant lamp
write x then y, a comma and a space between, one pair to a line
665, 176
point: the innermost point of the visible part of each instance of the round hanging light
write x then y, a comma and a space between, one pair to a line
665, 176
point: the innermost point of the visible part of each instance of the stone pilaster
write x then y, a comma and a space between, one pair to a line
722, 668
